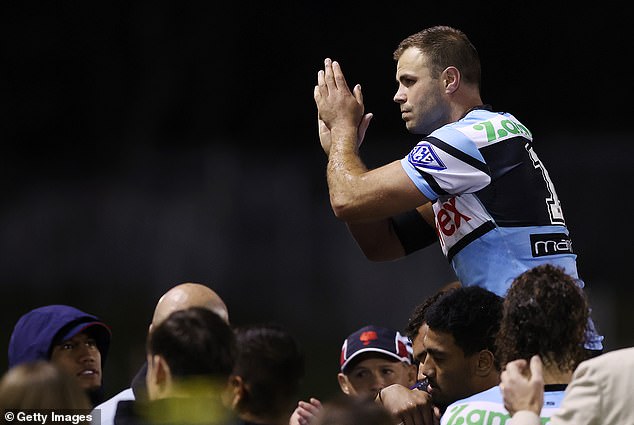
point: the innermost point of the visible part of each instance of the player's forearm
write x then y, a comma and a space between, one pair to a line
345, 172
377, 240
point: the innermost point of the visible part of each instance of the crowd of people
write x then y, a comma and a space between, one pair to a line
512, 338
466, 355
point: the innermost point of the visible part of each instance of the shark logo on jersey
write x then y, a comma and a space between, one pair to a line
423, 155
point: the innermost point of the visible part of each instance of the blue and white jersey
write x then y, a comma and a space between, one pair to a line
487, 407
496, 210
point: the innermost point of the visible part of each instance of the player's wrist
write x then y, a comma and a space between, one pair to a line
344, 141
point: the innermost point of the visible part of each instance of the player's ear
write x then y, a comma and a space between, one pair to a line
344, 384
485, 363
451, 79
236, 391
159, 376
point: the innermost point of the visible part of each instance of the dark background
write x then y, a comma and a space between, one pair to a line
150, 143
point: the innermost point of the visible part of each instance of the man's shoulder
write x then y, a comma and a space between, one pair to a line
106, 410
487, 404
483, 128
619, 360
126, 394
491, 397
621, 355
492, 394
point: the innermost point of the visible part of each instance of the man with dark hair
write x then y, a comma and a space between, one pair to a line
267, 374
190, 356
544, 313
178, 297
455, 347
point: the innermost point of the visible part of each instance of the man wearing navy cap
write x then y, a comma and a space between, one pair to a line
74, 340
372, 358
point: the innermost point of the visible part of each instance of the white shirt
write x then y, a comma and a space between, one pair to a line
103, 414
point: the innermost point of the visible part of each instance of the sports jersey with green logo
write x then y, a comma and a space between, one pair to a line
496, 210
487, 407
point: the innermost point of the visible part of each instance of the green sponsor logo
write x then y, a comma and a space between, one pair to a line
500, 129
462, 415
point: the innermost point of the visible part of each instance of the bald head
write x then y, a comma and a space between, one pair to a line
187, 295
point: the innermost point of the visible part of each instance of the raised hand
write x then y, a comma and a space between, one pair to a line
325, 138
523, 387
305, 412
337, 106
409, 407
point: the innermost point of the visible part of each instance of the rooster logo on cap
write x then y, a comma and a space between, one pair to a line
367, 337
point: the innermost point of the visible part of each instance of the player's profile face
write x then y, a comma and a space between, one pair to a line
419, 94
447, 369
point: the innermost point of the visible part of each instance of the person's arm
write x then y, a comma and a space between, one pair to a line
305, 412
390, 238
356, 193
411, 407
523, 390
397, 236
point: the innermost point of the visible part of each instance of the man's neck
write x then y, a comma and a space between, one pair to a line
552, 375
464, 102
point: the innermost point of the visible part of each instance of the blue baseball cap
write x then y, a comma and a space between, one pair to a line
376, 339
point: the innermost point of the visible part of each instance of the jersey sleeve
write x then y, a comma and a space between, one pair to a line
446, 163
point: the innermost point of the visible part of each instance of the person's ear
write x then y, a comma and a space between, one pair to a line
160, 377
164, 372
451, 79
344, 383
485, 363
236, 391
